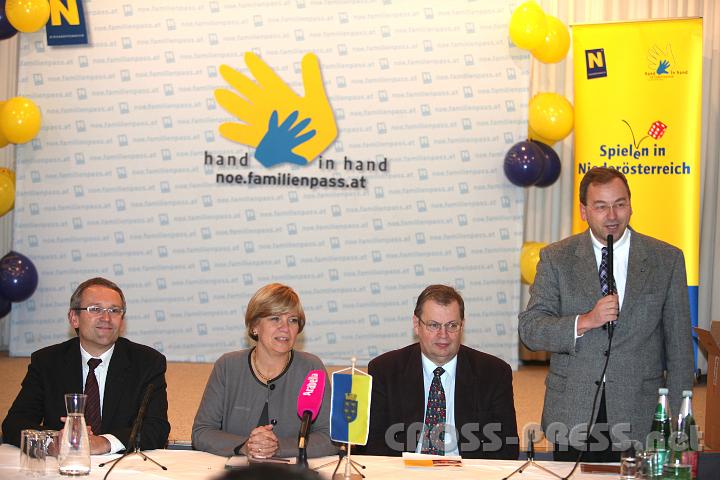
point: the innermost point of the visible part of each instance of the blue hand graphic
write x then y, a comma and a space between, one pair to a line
662, 67
279, 140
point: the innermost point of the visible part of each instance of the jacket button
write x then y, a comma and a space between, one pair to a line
272, 386
597, 382
606, 353
273, 422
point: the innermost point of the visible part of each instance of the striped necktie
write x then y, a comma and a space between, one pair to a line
604, 280
92, 403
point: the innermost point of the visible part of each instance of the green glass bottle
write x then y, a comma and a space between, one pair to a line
660, 431
686, 420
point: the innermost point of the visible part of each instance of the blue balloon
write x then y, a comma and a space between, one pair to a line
551, 166
5, 306
18, 277
6, 29
524, 163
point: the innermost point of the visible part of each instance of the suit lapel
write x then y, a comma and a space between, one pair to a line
464, 391
72, 381
415, 411
114, 382
637, 273
586, 269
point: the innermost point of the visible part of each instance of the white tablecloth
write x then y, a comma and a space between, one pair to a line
188, 464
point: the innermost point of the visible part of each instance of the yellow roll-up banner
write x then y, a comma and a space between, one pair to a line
638, 94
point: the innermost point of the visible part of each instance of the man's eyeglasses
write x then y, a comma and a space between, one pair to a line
605, 208
435, 327
96, 310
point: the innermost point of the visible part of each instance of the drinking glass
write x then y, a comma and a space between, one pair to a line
677, 471
32, 452
646, 462
52, 449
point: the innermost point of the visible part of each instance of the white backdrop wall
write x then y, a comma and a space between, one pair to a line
116, 183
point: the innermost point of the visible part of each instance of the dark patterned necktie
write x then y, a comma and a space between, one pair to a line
92, 403
434, 441
604, 283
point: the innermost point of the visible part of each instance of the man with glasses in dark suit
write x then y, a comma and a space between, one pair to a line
112, 371
438, 396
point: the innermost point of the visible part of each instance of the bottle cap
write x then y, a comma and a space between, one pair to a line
687, 393
662, 391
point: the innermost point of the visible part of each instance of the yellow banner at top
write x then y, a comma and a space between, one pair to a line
638, 91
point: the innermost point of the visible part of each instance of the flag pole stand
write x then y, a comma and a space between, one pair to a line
349, 463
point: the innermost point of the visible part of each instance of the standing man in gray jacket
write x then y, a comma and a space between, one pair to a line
568, 314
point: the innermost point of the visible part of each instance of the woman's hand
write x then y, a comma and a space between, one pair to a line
262, 443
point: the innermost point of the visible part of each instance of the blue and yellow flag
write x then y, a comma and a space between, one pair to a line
350, 408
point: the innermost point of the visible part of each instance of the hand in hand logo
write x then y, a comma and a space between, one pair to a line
268, 109
277, 144
660, 60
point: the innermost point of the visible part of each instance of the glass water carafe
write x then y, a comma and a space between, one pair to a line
74, 457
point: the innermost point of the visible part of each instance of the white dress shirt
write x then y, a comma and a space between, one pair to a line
448, 382
621, 256
101, 375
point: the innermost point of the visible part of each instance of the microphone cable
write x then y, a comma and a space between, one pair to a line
601, 383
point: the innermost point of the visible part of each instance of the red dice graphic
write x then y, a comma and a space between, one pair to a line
657, 129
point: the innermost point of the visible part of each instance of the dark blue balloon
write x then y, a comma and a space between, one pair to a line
551, 167
18, 277
524, 163
6, 29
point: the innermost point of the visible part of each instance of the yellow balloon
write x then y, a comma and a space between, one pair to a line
528, 26
27, 15
555, 45
529, 258
8, 173
3, 139
20, 120
532, 135
7, 194
550, 116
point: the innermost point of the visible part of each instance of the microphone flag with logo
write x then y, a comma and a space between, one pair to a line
350, 408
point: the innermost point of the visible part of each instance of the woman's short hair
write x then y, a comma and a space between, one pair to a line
273, 299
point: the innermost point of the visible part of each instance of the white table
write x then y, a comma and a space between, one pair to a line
188, 464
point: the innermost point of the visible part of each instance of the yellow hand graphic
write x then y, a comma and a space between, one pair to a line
258, 99
657, 55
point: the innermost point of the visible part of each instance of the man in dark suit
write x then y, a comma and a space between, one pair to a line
117, 370
568, 312
438, 396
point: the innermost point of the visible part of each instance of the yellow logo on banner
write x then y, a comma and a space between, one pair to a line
70, 13
595, 63
662, 63
659, 60
283, 126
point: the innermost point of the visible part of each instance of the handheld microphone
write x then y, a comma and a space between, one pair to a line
611, 278
310, 399
134, 441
